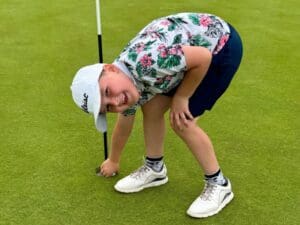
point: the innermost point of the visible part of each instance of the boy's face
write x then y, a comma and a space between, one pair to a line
117, 90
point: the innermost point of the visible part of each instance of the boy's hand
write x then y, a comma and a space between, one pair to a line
179, 112
109, 168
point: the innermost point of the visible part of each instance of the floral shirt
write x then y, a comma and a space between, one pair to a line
154, 58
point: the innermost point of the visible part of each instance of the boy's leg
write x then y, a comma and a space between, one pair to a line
217, 191
153, 172
154, 124
200, 145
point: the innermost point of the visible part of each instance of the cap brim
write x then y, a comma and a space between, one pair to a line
100, 118
100, 122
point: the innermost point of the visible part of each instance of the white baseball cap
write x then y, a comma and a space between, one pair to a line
86, 93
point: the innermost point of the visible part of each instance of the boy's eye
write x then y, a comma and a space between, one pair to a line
106, 94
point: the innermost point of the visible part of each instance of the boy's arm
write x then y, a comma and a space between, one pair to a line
197, 60
120, 136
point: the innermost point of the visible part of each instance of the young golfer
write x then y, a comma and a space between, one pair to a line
182, 62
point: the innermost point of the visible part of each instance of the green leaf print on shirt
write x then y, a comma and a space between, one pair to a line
177, 39
194, 18
132, 55
169, 56
198, 40
168, 62
175, 22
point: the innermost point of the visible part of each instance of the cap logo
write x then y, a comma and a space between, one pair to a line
84, 106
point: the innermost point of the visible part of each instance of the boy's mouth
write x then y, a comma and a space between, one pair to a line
125, 100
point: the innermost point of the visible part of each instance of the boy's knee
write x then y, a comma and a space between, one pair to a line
185, 129
156, 107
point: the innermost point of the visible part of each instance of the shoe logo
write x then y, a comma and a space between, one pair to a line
158, 179
225, 196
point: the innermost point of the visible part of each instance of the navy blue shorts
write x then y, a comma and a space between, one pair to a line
218, 77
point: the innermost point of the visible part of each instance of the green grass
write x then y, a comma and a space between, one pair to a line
49, 148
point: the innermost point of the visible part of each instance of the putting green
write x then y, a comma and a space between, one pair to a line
49, 148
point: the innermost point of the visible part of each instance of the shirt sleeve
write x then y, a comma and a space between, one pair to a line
130, 111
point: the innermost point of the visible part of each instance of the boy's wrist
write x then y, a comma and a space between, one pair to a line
114, 160
181, 95
183, 91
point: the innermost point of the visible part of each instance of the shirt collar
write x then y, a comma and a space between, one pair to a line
124, 69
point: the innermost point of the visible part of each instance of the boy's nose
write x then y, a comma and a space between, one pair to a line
113, 101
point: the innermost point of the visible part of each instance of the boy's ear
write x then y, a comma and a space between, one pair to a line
110, 68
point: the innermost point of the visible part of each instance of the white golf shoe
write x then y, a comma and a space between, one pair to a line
211, 201
144, 177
